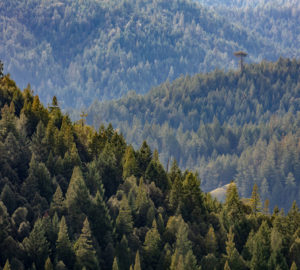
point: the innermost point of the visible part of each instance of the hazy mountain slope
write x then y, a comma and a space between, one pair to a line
275, 21
82, 50
224, 125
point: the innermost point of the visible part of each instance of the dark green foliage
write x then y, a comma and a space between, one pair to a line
234, 261
38, 181
255, 202
123, 253
152, 246
8, 198
144, 156
183, 255
156, 173
100, 220
130, 166
84, 249
58, 204
64, 250
192, 198
36, 245
153, 219
124, 222
77, 198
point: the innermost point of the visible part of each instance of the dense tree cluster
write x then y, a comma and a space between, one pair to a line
226, 125
75, 198
275, 21
82, 50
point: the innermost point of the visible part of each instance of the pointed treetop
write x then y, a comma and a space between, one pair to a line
226, 266
294, 266
137, 263
115, 265
7, 265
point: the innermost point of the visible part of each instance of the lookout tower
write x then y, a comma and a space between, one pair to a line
241, 55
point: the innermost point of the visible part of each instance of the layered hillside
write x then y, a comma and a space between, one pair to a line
86, 50
226, 125
74, 198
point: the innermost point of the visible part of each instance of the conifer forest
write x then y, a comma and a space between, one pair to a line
131, 138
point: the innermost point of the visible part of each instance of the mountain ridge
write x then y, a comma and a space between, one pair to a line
100, 50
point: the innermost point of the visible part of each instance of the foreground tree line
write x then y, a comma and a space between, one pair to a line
72, 197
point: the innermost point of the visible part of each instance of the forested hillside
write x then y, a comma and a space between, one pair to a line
275, 21
96, 49
74, 198
226, 125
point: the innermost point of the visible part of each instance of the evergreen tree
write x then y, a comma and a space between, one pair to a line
123, 253
233, 258
60, 266
144, 156
130, 166
137, 262
211, 241
115, 265
176, 193
175, 171
58, 202
48, 264
293, 266
38, 180
261, 248
183, 254
294, 251
233, 211
255, 200
110, 172
226, 266
93, 179
7, 122
156, 173
7, 265
64, 251
192, 198
38, 146
77, 199
124, 222
101, 223
277, 259
84, 249
152, 246
8, 198
36, 245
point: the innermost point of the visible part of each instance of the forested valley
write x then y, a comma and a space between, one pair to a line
72, 197
86, 50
